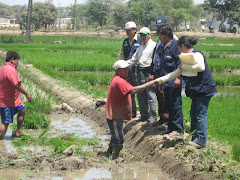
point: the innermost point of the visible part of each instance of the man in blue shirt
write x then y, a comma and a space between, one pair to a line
168, 54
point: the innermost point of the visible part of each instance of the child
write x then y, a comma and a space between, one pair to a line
119, 105
10, 89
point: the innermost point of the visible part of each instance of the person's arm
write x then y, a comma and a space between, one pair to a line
20, 88
169, 76
134, 58
140, 88
199, 67
121, 55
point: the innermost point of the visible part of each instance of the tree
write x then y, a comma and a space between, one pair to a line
120, 14
43, 15
233, 14
180, 12
224, 9
140, 11
5, 10
98, 11
80, 14
29, 18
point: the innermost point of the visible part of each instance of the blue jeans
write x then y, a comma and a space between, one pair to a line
199, 125
173, 101
147, 97
117, 135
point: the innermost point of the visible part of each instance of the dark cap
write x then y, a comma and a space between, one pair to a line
161, 21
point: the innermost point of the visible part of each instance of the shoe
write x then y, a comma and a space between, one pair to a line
134, 115
110, 150
116, 152
152, 120
198, 146
163, 127
174, 134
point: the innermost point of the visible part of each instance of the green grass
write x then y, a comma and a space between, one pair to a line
226, 79
83, 62
236, 151
214, 161
59, 143
222, 64
217, 48
219, 41
223, 118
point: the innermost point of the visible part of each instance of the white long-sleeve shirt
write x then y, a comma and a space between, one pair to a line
194, 69
143, 55
186, 68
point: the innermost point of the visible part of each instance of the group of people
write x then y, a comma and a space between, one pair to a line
155, 72
152, 70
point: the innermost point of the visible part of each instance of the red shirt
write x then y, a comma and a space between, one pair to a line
9, 95
119, 104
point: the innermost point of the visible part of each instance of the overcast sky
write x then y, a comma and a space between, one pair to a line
63, 3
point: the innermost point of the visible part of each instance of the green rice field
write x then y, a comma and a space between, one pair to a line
85, 63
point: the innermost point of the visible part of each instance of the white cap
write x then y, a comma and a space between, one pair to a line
120, 64
130, 25
144, 30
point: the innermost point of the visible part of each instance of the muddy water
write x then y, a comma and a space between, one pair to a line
64, 124
133, 171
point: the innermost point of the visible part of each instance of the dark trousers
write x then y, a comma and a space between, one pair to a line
174, 104
162, 108
131, 79
117, 135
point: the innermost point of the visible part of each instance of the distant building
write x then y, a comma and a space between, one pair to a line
7, 22
4, 20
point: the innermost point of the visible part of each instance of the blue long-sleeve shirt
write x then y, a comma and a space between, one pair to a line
169, 60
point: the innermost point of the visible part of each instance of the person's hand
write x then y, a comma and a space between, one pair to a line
29, 97
159, 87
180, 67
177, 82
150, 77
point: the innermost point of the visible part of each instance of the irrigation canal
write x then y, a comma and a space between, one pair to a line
59, 125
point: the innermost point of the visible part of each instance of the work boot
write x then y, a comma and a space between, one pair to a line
116, 152
109, 150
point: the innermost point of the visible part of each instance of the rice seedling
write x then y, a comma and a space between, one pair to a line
223, 64
236, 151
59, 143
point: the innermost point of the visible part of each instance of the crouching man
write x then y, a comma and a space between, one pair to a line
119, 105
10, 89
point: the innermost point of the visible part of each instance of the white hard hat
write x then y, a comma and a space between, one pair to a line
130, 25
120, 64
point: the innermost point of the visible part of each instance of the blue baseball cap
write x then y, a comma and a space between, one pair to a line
161, 21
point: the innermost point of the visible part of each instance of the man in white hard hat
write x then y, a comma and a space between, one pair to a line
118, 106
143, 58
129, 47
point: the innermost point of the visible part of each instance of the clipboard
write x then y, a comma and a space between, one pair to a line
187, 58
